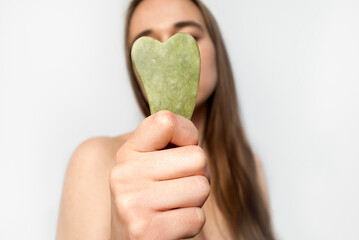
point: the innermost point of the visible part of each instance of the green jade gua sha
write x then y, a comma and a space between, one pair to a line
169, 72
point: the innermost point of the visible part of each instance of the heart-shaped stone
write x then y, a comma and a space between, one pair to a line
169, 72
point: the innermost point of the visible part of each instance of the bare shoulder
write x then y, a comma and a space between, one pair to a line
94, 157
261, 178
258, 163
98, 150
85, 202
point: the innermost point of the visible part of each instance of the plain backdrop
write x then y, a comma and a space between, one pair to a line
63, 80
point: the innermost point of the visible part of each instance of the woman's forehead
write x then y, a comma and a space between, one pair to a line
163, 14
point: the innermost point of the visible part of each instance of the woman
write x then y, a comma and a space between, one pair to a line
133, 187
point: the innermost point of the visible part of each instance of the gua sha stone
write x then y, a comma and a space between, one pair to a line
169, 72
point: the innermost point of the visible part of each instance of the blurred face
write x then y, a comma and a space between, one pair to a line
161, 19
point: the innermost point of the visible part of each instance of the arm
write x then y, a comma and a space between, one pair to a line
85, 204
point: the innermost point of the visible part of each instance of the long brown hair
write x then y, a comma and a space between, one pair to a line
234, 177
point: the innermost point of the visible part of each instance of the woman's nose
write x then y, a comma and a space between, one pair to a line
164, 37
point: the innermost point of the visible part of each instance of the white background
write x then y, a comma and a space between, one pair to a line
63, 80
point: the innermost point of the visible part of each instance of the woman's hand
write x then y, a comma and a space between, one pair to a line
158, 193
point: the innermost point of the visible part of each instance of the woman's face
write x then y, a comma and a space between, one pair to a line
161, 19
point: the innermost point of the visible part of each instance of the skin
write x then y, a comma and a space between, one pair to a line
128, 187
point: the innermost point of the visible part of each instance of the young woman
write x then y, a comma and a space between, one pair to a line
209, 186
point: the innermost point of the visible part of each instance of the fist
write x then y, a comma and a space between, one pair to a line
158, 193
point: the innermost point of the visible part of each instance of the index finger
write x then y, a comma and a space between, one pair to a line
160, 129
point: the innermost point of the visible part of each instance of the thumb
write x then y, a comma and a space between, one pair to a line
160, 129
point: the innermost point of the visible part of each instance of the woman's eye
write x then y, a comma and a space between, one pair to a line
195, 37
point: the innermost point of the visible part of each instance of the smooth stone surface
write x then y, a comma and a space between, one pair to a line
169, 72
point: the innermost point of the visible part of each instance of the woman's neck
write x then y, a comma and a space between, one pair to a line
199, 119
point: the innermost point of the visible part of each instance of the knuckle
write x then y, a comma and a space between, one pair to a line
123, 204
127, 207
127, 202
138, 229
165, 119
